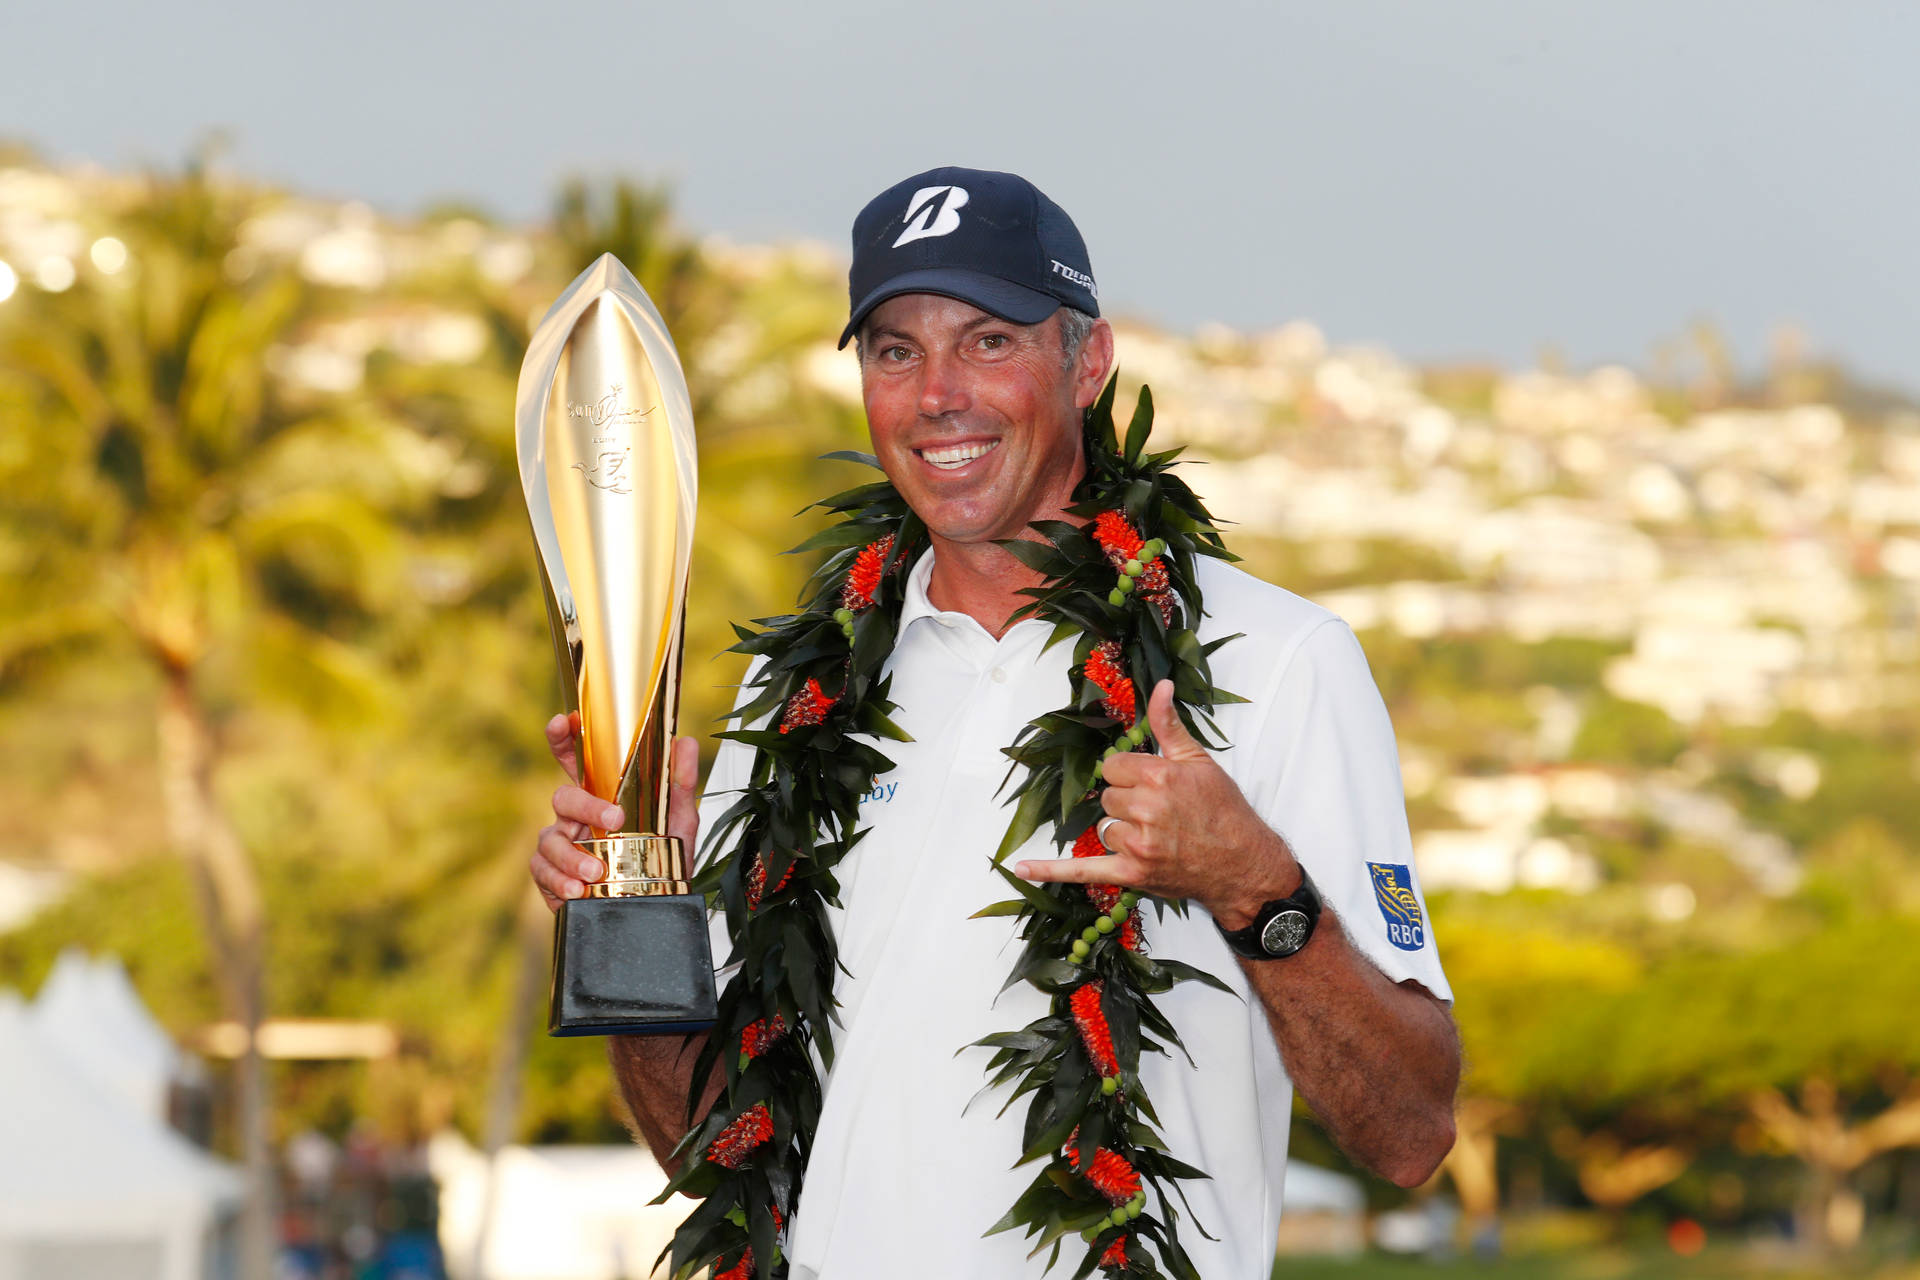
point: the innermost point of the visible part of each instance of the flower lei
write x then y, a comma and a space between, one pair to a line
1129, 602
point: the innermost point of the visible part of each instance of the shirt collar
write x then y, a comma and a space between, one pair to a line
916, 604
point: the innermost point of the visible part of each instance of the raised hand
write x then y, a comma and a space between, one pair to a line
1179, 828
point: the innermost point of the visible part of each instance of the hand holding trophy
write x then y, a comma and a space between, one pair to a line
604, 430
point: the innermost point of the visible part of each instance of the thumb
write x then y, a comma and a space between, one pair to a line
1175, 742
564, 741
683, 796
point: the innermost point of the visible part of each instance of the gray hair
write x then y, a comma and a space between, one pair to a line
1075, 325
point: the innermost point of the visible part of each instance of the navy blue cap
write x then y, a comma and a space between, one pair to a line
992, 239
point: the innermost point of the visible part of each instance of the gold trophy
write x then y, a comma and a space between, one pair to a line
604, 430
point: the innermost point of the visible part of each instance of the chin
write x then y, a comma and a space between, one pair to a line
960, 530
965, 526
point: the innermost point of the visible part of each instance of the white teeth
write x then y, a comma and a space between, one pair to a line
956, 456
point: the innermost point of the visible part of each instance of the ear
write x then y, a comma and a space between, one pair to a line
1094, 365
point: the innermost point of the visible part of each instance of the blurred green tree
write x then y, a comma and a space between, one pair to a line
1616, 731
1806, 1039
156, 494
1514, 984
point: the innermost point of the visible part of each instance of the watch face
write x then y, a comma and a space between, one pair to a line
1285, 934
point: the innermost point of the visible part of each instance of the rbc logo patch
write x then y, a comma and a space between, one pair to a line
1393, 889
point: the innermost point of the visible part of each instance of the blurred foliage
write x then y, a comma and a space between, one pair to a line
1866, 773
1616, 731
1313, 568
346, 578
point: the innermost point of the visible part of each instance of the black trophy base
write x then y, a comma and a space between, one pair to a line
632, 966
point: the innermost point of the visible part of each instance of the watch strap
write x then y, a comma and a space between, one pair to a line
1282, 926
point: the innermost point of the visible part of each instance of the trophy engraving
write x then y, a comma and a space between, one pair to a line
607, 415
604, 431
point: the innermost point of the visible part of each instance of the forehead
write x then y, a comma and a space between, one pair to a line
916, 314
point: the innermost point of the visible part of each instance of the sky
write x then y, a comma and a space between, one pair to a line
1473, 180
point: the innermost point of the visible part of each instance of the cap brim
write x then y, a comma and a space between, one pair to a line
1003, 298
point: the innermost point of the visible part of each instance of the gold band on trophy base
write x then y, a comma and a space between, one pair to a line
638, 866
604, 430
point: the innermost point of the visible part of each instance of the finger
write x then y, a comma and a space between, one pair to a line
1115, 868
551, 884
1133, 805
1175, 742
563, 739
568, 859
1131, 769
576, 804
555, 885
683, 795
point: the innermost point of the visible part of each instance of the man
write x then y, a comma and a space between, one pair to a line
974, 307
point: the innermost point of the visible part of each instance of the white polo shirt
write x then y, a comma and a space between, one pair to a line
908, 1166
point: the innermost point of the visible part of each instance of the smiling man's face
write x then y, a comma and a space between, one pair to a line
975, 419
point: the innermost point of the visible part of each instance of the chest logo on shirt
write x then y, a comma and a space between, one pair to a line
880, 792
1393, 889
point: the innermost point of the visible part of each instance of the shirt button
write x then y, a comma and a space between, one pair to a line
999, 675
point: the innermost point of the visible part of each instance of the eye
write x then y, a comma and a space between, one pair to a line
896, 354
993, 341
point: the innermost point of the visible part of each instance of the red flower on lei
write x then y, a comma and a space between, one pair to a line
809, 706
1122, 542
1113, 1177
749, 1132
1116, 536
1116, 1254
863, 579
758, 1037
1095, 1035
1106, 669
1108, 1171
757, 881
741, 1270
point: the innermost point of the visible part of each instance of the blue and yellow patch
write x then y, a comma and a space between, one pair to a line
1393, 889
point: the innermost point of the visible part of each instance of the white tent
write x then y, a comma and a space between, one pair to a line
89, 1011
90, 1187
1311, 1189
1324, 1213
553, 1213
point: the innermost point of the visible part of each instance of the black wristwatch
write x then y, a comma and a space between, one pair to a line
1282, 927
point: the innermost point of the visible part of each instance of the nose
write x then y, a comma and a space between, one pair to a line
943, 386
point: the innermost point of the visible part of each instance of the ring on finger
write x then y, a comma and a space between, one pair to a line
1100, 831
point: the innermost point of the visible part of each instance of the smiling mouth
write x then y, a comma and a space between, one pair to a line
953, 457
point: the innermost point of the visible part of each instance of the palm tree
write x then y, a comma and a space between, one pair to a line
166, 501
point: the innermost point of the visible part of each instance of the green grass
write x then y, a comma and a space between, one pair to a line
1601, 1263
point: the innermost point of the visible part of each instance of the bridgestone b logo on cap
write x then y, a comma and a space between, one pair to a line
933, 211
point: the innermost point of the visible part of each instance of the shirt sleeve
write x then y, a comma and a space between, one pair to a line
1327, 778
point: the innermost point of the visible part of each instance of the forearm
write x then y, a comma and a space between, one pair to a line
1377, 1061
655, 1075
